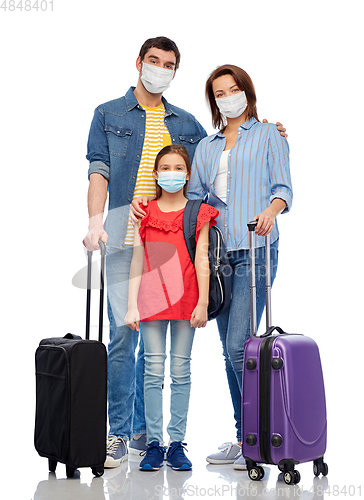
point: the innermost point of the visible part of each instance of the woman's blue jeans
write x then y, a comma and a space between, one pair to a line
234, 323
154, 335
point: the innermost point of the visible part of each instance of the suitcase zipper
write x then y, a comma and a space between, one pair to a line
264, 398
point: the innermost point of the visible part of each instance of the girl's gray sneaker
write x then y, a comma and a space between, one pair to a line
116, 452
228, 454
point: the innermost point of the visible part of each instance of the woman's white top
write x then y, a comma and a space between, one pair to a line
220, 184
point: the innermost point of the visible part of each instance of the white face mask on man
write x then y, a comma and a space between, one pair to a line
232, 106
155, 79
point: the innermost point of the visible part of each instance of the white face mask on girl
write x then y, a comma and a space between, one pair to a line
155, 79
232, 106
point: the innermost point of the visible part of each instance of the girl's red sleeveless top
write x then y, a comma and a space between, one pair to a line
168, 288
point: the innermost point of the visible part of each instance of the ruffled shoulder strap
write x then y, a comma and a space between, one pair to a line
207, 213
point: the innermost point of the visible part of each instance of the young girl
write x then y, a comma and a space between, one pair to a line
166, 288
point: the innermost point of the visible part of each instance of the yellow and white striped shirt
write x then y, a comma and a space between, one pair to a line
156, 137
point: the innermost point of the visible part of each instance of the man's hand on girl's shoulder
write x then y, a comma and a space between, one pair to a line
135, 211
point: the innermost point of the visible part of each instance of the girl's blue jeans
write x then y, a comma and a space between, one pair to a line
234, 323
154, 335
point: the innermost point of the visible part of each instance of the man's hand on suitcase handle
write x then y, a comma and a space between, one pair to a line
95, 233
91, 240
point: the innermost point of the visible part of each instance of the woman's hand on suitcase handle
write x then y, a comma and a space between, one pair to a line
265, 223
267, 218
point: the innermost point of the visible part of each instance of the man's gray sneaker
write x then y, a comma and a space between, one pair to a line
116, 451
137, 444
228, 454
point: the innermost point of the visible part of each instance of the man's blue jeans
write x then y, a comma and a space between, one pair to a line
125, 372
234, 323
154, 336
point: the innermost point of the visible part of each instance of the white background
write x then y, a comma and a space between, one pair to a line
305, 59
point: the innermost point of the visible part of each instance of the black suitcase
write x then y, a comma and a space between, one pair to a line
71, 395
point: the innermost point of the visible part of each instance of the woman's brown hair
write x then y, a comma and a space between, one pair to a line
172, 149
243, 81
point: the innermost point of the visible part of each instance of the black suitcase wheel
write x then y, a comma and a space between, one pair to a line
297, 477
97, 471
256, 473
325, 469
70, 471
320, 467
52, 465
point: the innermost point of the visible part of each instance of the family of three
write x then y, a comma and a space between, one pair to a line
148, 153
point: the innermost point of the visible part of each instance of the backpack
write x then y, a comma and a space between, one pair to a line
221, 272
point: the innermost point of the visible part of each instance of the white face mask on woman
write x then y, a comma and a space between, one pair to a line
232, 106
155, 79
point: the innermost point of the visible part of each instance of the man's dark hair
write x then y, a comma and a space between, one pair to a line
163, 43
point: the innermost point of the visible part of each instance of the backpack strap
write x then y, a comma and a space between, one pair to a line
189, 226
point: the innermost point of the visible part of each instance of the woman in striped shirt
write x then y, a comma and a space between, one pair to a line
243, 171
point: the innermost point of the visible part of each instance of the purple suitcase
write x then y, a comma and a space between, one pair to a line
284, 408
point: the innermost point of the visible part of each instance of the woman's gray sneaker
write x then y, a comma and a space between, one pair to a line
116, 451
240, 464
137, 444
228, 454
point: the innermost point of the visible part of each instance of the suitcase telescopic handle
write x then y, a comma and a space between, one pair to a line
268, 285
88, 301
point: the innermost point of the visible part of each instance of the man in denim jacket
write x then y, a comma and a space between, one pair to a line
115, 147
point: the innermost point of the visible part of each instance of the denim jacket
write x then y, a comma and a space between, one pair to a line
114, 150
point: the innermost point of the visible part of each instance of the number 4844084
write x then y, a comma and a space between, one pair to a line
26, 5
